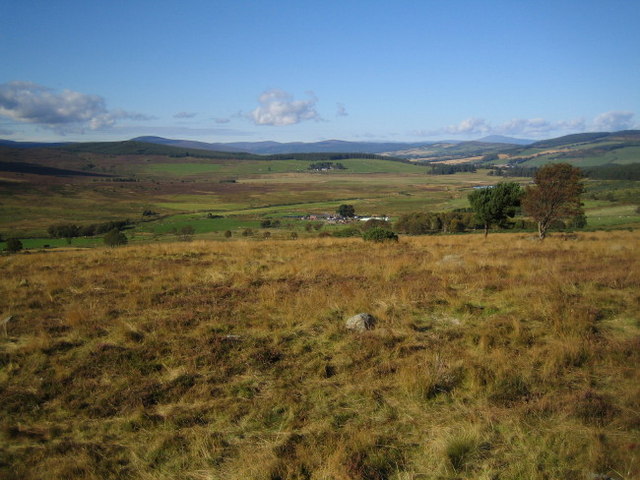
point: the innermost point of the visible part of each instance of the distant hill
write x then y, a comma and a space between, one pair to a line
133, 147
272, 148
191, 144
582, 149
12, 144
570, 139
503, 139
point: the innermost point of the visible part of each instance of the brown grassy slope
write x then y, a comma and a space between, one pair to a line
504, 359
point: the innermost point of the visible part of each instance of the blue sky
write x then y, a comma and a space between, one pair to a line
220, 71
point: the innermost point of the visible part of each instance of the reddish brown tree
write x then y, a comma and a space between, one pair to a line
556, 195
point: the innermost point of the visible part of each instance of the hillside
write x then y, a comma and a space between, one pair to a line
582, 150
503, 359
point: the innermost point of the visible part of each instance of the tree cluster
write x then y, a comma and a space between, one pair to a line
421, 223
613, 172
513, 171
447, 169
71, 230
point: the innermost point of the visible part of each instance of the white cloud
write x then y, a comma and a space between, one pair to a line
472, 125
613, 121
341, 110
184, 115
535, 127
278, 107
221, 121
62, 111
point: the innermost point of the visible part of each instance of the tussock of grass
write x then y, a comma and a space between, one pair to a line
502, 359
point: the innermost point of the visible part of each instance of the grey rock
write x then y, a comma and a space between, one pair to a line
361, 322
451, 260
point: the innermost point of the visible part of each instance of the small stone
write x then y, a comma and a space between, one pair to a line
361, 322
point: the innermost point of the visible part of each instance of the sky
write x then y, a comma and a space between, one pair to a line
307, 70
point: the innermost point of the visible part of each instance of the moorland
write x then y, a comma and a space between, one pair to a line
221, 351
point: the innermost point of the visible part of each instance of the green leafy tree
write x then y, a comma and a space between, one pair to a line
555, 195
115, 238
346, 211
493, 205
13, 245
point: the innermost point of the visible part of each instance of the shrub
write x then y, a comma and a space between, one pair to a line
13, 245
267, 223
186, 233
228, 234
379, 234
115, 238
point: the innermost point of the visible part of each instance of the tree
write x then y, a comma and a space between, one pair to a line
115, 238
13, 245
346, 211
492, 205
556, 195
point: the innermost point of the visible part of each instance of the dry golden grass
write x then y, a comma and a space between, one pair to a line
504, 359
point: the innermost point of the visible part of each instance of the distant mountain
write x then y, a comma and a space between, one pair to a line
272, 148
503, 139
